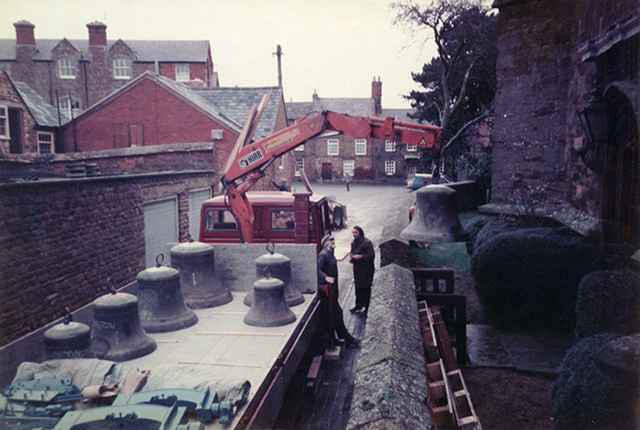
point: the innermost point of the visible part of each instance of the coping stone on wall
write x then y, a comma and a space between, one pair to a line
394, 249
391, 382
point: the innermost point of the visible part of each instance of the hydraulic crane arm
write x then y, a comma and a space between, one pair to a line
250, 161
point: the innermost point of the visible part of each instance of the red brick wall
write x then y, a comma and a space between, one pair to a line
62, 239
166, 119
10, 98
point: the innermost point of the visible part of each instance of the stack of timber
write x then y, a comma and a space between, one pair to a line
448, 399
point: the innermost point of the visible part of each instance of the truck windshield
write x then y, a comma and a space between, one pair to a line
217, 219
282, 220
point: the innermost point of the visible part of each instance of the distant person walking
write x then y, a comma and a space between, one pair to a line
331, 312
282, 186
347, 179
362, 258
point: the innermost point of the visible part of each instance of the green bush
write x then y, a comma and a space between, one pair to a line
473, 228
586, 398
608, 302
531, 276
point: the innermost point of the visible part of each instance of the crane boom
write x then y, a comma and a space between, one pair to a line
248, 163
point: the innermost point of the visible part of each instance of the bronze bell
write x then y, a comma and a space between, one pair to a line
162, 307
280, 267
116, 333
200, 285
269, 308
436, 216
68, 339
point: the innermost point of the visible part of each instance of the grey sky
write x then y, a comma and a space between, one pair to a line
334, 47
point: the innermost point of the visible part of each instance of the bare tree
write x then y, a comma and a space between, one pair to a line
459, 83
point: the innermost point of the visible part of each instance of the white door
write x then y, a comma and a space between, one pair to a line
196, 198
160, 228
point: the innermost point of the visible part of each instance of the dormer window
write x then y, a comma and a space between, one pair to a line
182, 73
122, 68
67, 68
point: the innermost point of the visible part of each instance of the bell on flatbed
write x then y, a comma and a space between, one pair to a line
269, 308
116, 332
436, 217
162, 306
280, 267
68, 339
200, 285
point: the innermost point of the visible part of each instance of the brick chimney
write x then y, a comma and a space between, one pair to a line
97, 34
24, 33
376, 94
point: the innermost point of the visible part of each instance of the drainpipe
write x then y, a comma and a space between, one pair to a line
59, 120
73, 124
86, 84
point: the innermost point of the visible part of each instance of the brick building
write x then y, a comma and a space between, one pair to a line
553, 55
79, 73
328, 158
28, 123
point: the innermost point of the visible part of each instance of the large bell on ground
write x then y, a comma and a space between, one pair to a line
116, 333
67, 340
162, 307
436, 216
200, 285
269, 308
280, 267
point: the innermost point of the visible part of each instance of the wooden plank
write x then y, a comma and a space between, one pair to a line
444, 343
313, 375
332, 354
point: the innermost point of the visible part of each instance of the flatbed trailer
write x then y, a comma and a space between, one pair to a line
220, 346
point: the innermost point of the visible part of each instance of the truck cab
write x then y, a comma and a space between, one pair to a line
279, 217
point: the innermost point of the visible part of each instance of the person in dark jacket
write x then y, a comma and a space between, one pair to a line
282, 186
328, 288
362, 258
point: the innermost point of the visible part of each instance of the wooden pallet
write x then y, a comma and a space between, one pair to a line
448, 399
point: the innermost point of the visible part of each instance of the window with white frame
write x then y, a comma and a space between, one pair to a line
332, 147
389, 146
412, 168
389, 168
122, 68
45, 142
361, 147
299, 166
4, 122
67, 68
67, 105
182, 72
299, 148
412, 148
348, 166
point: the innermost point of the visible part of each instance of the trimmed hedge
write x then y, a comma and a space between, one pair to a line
586, 398
531, 276
473, 228
608, 302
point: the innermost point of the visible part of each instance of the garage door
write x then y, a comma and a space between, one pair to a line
196, 198
160, 228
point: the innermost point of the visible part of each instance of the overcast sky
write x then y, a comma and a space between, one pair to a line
334, 47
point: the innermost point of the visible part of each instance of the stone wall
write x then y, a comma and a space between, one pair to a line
391, 381
533, 70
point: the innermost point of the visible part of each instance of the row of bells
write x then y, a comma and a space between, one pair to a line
121, 320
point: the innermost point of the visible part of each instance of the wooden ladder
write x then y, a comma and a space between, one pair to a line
448, 399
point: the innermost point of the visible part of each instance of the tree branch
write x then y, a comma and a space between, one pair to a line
462, 129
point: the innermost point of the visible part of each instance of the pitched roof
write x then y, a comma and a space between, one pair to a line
146, 50
399, 114
237, 102
182, 91
42, 111
352, 106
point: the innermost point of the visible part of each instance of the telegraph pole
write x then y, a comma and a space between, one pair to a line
278, 54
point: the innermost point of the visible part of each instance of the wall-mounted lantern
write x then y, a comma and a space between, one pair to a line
595, 121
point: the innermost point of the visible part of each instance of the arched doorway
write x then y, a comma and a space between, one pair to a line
621, 177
